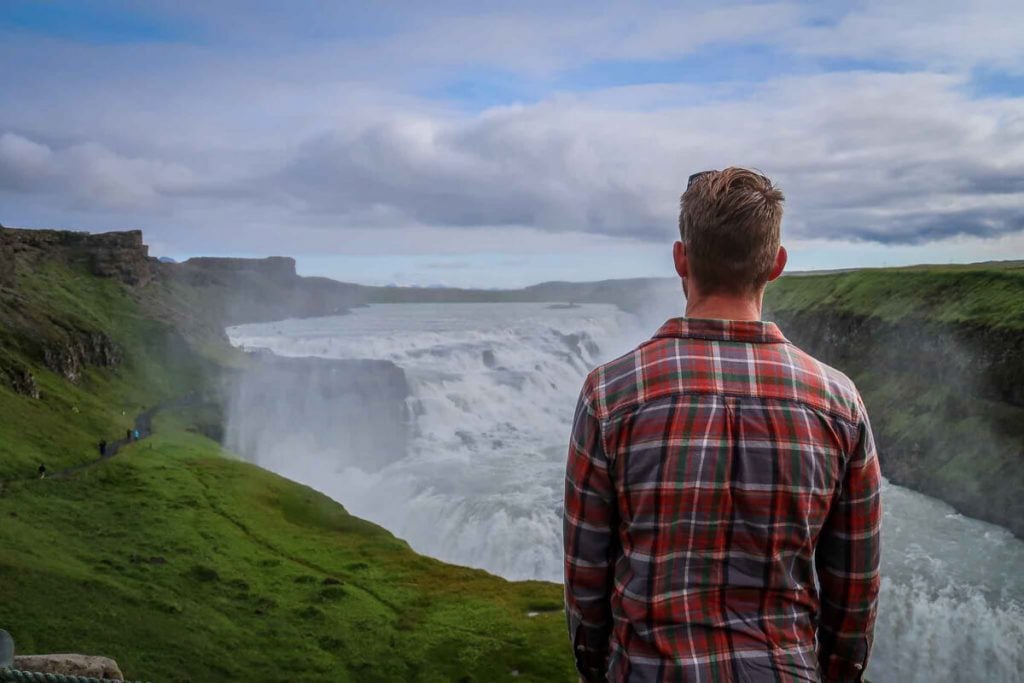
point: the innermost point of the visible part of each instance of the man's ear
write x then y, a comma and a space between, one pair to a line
679, 259
780, 264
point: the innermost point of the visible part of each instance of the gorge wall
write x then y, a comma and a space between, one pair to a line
942, 378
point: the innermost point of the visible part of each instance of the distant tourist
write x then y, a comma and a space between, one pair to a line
135, 434
128, 435
42, 471
103, 447
715, 474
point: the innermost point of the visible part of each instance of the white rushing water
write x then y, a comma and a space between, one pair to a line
492, 388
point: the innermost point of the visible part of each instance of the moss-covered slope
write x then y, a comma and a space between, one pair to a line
981, 294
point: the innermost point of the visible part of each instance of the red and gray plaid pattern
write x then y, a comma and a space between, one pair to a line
714, 474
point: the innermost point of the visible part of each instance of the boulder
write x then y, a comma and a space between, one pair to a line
70, 665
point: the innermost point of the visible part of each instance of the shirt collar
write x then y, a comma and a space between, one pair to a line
746, 331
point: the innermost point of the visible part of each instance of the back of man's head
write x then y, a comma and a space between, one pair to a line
730, 222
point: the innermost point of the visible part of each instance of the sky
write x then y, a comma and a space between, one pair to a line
502, 144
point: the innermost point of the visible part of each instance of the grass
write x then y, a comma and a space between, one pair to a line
184, 563
936, 353
986, 294
55, 308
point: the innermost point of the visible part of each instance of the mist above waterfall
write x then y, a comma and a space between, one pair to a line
490, 393
448, 424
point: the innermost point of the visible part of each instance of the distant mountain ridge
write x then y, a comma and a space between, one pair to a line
244, 290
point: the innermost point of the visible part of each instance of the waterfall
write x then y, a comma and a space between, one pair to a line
481, 397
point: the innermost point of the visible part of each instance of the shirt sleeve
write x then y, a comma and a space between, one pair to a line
847, 561
589, 534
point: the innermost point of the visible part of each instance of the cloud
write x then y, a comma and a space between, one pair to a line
942, 34
88, 175
521, 167
543, 40
23, 163
543, 37
447, 265
268, 142
853, 158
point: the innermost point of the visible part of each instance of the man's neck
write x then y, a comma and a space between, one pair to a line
719, 307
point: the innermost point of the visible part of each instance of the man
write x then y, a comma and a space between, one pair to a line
716, 474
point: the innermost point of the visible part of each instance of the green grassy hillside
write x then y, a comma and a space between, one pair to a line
938, 354
185, 564
50, 312
988, 294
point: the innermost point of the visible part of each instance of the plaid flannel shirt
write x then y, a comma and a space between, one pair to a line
722, 513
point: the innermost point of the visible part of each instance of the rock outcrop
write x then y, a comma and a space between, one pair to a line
118, 255
19, 378
71, 665
69, 356
239, 291
279, 268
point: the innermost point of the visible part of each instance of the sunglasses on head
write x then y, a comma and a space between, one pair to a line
695, 177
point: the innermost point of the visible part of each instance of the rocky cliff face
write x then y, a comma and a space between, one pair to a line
63, 349
19, 378
236, 291
69, 356
278, 268
119, 255
60, 340
946, 402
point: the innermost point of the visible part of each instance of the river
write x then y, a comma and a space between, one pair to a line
491, 393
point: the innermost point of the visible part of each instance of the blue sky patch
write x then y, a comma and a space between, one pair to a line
990, 83
92, 22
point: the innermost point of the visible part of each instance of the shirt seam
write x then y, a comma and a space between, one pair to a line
769, 335
849, 421
601, 432
721, 338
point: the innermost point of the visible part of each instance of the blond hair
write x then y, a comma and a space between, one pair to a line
730, 222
